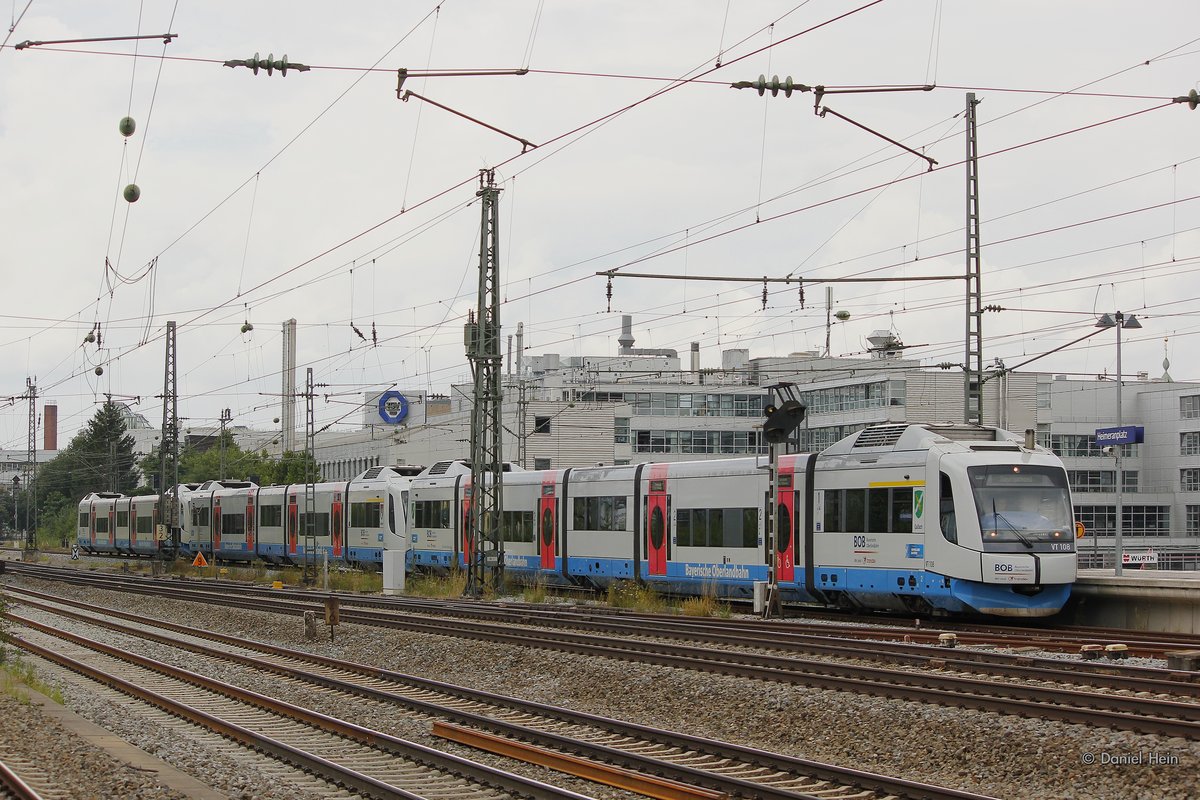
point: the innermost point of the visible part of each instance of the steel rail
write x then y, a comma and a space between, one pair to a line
722, 750
939, 689
1091, 674
446, 762
1140, 643
15, 785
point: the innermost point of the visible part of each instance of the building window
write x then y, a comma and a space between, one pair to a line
1092, 480
1189, 479
1189, 443
621, 430
1193, 521
1146, 520
1043, 394
1129, 480
1084, 445
1043, 435
1189, 406
702, 442
541, 424
1098, 520
541, 463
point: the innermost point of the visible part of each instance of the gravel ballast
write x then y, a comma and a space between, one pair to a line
996, 754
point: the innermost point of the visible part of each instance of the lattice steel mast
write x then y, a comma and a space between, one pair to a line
973, 365
168, 453
485, 565
310, 479
30, 469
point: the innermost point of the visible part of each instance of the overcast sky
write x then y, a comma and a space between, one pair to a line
321, 196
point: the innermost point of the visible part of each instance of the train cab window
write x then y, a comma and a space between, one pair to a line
200, 516
391, 514
270, 516
946, 510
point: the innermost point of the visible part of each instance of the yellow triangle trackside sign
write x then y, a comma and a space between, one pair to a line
199, 561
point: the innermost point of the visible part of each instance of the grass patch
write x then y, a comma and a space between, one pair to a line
16, 675
534, 592
706, 605
350, 581
451, 584
638, 597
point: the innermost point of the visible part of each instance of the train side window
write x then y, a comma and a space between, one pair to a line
856, 510
83, 519
270, 516
391, 514
902, 509
946, 510
683, 527
833, 511
877, 510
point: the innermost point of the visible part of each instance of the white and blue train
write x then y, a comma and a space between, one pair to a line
921, 518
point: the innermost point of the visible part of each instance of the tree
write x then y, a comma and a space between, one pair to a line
197, 465
99, 459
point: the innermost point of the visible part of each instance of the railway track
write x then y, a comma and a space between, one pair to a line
369, 762
493, 721
770, 634
935, 681
14, 786
1116, 702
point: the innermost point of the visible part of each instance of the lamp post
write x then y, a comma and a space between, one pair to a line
1118, 321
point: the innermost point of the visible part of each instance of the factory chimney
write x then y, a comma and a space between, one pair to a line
50, 428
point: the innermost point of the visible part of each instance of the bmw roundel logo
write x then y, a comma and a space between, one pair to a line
393, 407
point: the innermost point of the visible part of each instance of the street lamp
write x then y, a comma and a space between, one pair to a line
1118, 321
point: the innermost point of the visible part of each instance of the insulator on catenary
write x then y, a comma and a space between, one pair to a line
269, 64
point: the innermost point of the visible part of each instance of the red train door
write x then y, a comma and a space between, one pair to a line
785, 552
216, 526
546, 523
335, 524
92, 526
468, 531
112, 526
293, 524
250, 523
658, 520
132, 525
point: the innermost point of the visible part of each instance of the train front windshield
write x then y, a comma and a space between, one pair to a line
1023, 508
